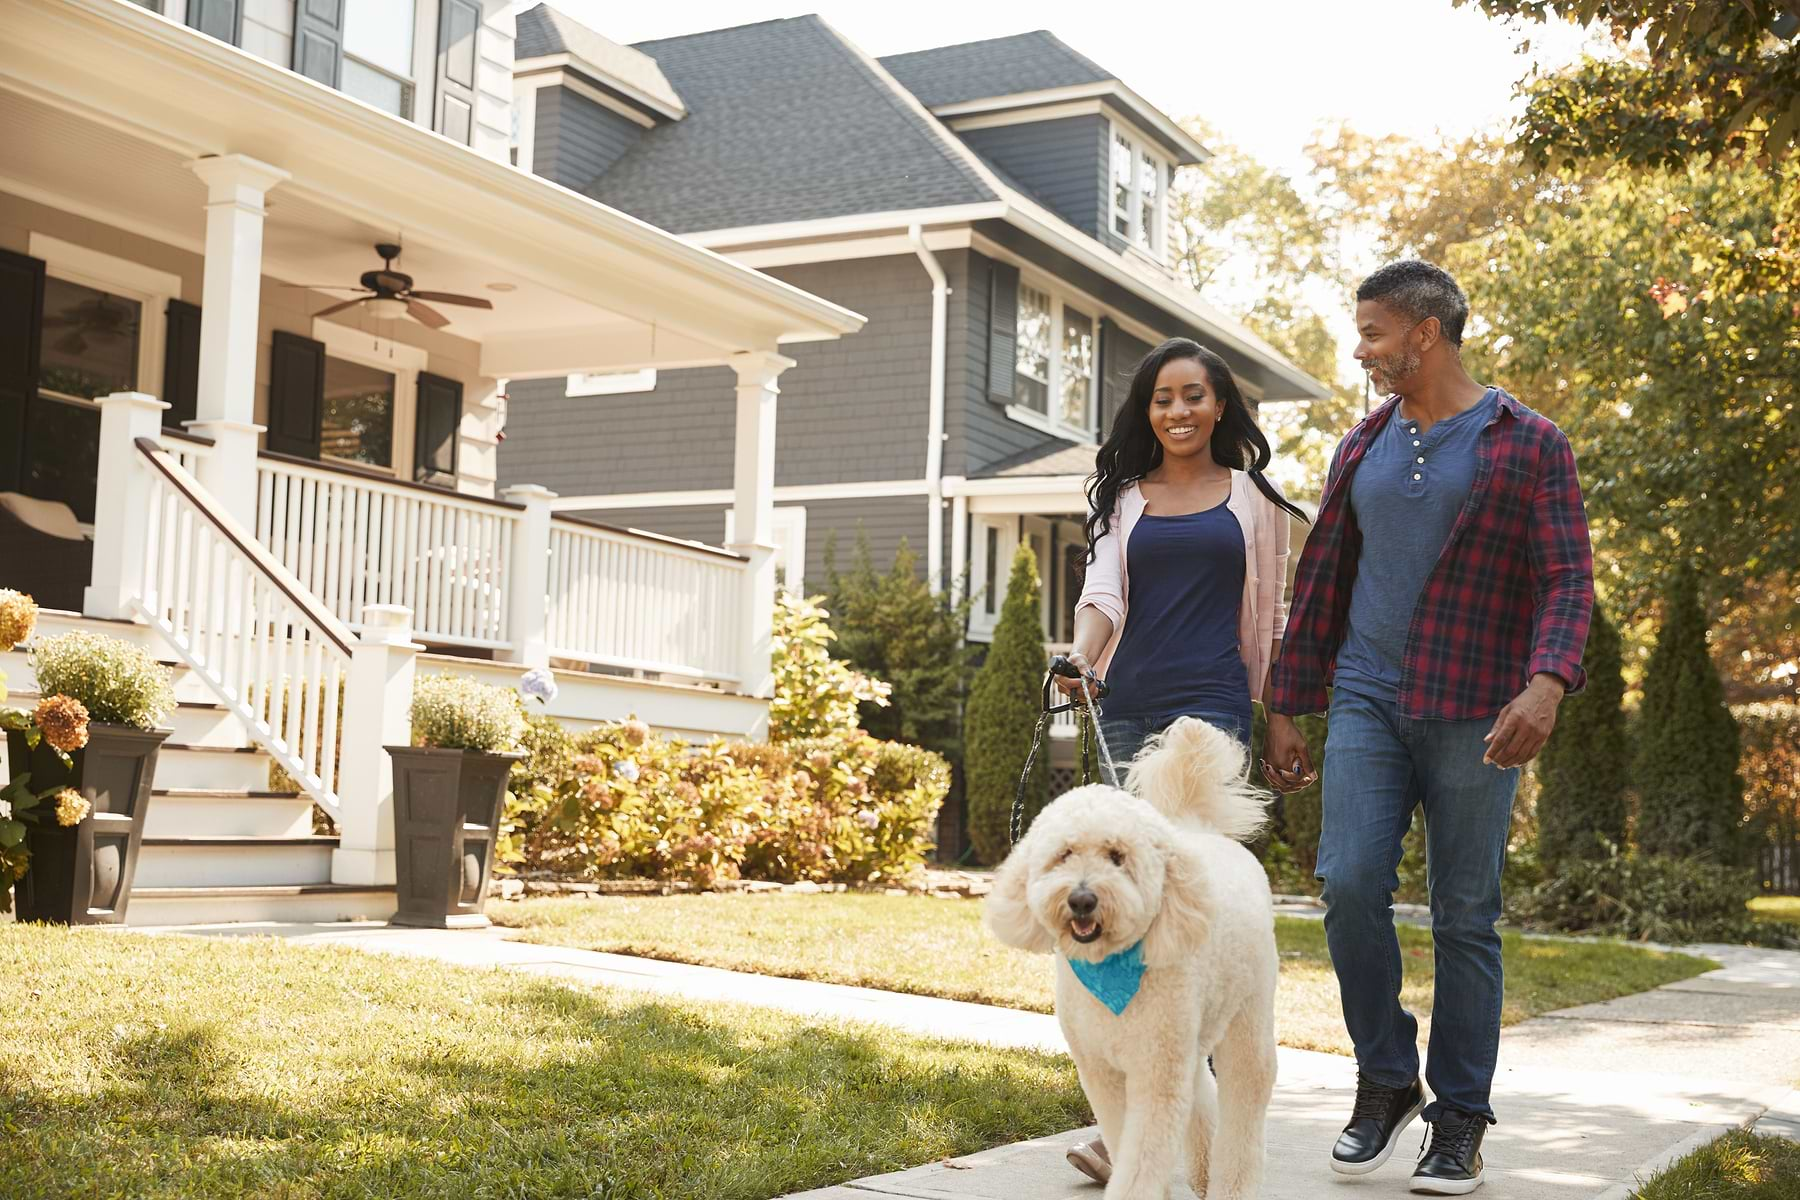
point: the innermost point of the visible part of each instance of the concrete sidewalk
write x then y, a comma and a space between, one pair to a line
1590, 1099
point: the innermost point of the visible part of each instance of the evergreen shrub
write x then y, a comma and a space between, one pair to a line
1004, 702
1584, 769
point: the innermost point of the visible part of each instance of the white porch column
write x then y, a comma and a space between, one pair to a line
753, 509
121, 500
229, 311
528, 577
377, 713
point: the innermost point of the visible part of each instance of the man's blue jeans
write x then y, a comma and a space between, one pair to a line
1378, 767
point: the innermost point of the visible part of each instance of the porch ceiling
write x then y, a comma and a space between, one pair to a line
106, 103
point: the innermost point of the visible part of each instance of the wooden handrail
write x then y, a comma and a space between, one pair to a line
321, 618
645, 535
365, 475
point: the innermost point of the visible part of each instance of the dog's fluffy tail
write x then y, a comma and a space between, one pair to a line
1195, 773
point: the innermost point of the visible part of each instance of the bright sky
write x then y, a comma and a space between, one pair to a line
1263, 74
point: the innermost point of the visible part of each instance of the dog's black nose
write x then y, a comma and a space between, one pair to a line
1082, 902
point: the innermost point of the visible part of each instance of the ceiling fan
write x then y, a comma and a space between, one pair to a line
391, 294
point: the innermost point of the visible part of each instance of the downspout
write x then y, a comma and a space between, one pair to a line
934, 425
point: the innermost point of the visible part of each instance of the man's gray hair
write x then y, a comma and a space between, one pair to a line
1414, 290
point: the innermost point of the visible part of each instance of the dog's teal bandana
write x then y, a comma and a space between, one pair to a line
1115, 979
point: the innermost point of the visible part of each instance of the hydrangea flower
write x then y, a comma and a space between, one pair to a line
71, 807
868, 818
63, 721
538, 684
626, 769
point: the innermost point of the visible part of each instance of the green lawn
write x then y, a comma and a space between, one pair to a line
1776, 908
938, 948
177, 1067
1739, 1166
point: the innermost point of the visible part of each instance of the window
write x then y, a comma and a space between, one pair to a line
358, 422
1077, 383
990, 592
610, 383
1139, 179
90, 340
378, 54
1074, 555
1033, 380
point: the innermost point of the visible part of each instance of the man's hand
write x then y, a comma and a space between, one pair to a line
1286, 762
1524, 725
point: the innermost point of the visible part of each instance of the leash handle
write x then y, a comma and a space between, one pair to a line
1087, 710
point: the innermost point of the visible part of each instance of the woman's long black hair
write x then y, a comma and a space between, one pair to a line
1132, 451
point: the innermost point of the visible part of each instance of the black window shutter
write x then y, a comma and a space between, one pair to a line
296, 395
181, 364
21, 327
459, 27
217, 18
319, 40
435, 440
1003, 331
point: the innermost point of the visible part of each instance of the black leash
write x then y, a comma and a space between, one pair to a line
1087, 733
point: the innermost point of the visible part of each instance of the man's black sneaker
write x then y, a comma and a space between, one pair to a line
1380, 1114
1452, 1167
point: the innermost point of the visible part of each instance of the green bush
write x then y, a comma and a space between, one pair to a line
1298, 814
1648, 898
1584, 770
119, 683
1690, 797
456, 712
894, 628
617, 803
816, 695
1771, 772
1004, 703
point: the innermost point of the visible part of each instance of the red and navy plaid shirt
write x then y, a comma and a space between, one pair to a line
1510, 596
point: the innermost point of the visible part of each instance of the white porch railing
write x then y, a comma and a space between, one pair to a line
270, 652
634, 600
354, 541
186, 449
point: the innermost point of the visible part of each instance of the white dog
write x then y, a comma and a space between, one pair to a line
1159, 903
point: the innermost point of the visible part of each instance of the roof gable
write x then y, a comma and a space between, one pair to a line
543, 31
1003, 66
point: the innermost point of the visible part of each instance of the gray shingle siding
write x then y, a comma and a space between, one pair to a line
852, 410
576, 140
1061, 163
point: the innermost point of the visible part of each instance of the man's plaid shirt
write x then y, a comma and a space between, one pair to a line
1510, 596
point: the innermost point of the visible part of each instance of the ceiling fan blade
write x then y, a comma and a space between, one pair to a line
72, 343
426, 315
326, 312
452, 298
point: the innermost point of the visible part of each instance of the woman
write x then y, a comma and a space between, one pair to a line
1179, 509
1184, 523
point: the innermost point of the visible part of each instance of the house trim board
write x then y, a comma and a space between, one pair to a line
530, 83
1168, 131
565, 63
1025, 116
795, 493
795, 254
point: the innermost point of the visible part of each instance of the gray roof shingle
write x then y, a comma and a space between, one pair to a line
543, 30
1054, 458
786, 122
1003, 66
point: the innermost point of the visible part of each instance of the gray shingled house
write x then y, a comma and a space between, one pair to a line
998, 210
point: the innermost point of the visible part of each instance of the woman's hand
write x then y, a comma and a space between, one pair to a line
1286, 762
1070, 686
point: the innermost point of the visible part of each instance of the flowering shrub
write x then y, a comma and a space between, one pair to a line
815, 694
18, 617
455, 712
617, 803
120, 684
63, 720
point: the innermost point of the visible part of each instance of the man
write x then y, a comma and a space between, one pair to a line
1444, 596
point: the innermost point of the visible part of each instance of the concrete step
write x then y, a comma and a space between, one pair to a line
227, 812
294, 903
226, 861
184, 765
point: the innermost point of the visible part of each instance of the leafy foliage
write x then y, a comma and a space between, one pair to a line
1004, 703
119, 683
611, 803
1584, 770
1650, 898
816, 695
891, 627
456, 712
1691, 799
1771, 771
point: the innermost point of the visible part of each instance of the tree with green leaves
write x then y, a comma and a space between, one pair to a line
1004, 703
892, 626
1584, 772
1690, 795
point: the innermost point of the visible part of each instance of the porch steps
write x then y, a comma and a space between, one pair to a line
219, 845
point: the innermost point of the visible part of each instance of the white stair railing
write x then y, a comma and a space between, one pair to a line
264, 645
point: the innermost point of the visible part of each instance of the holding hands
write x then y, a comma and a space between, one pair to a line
1286, 761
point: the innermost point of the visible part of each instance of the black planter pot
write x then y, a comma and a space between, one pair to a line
81, 875
446, 817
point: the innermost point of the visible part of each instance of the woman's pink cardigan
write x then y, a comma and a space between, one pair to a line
1262, 616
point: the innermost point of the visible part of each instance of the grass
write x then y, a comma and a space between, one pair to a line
174, 1067
1739, 1166
938, 948
1776, 908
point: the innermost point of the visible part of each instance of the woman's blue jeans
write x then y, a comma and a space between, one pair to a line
1378, 767
1125, 736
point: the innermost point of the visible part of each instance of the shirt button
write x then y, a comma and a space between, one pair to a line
1421, 458
1415, 441
1416, 475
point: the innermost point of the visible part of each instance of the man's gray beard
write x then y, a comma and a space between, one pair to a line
1391, 370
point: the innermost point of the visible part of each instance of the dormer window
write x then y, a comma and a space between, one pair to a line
1139, 178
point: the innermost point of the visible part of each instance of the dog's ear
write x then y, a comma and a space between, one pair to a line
1007, 911
1184, 919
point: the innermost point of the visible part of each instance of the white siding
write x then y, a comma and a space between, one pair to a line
268, 30
493, 82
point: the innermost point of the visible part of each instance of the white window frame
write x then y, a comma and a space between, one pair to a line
423, 65
1051, 422
1006, 527
1153, 241
403, 362
151, 288
788, 533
